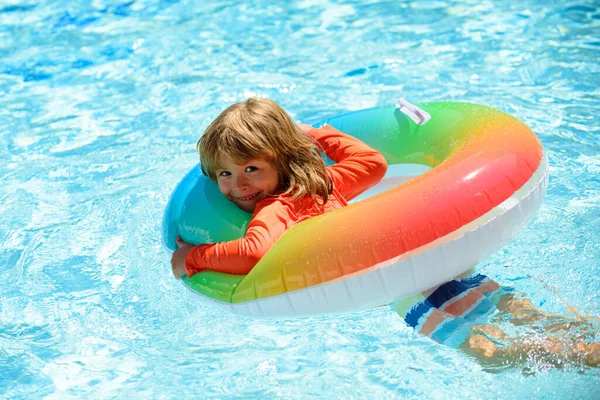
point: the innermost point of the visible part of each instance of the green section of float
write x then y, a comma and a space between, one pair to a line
215, 285
200, 214
401, 141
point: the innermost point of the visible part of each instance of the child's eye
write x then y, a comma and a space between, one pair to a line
251, 168
224, 173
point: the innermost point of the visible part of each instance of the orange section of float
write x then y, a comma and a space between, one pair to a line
495, 157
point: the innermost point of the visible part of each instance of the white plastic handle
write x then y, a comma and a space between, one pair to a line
418, 115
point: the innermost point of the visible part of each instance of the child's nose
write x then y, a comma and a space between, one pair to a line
240, 182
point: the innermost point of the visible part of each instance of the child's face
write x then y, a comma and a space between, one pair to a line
247, 183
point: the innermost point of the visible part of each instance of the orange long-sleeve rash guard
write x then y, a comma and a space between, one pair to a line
357, 168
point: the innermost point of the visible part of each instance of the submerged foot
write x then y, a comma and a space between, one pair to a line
480, 346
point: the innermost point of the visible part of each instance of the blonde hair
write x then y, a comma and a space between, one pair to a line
261, 129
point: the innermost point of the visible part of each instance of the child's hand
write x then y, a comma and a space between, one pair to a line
178, 258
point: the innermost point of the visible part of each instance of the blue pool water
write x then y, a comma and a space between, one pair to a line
101, 104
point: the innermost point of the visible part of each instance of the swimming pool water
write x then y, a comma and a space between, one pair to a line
101, 104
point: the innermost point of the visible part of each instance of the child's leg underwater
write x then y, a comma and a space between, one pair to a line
556, 350
553, 338
550, 337
523, 312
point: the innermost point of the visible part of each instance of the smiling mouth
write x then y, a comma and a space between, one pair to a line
248, 198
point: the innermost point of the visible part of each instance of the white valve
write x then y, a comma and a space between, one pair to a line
418, 115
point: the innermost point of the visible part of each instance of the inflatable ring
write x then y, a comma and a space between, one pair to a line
458, 188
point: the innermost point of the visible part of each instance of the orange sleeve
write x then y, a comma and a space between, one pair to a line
358, 166
239, 256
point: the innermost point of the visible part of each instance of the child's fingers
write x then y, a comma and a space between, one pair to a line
181, 243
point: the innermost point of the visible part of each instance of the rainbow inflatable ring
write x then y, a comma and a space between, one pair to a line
459, 186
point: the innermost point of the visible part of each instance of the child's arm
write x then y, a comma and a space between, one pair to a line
358, 166
239, 256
